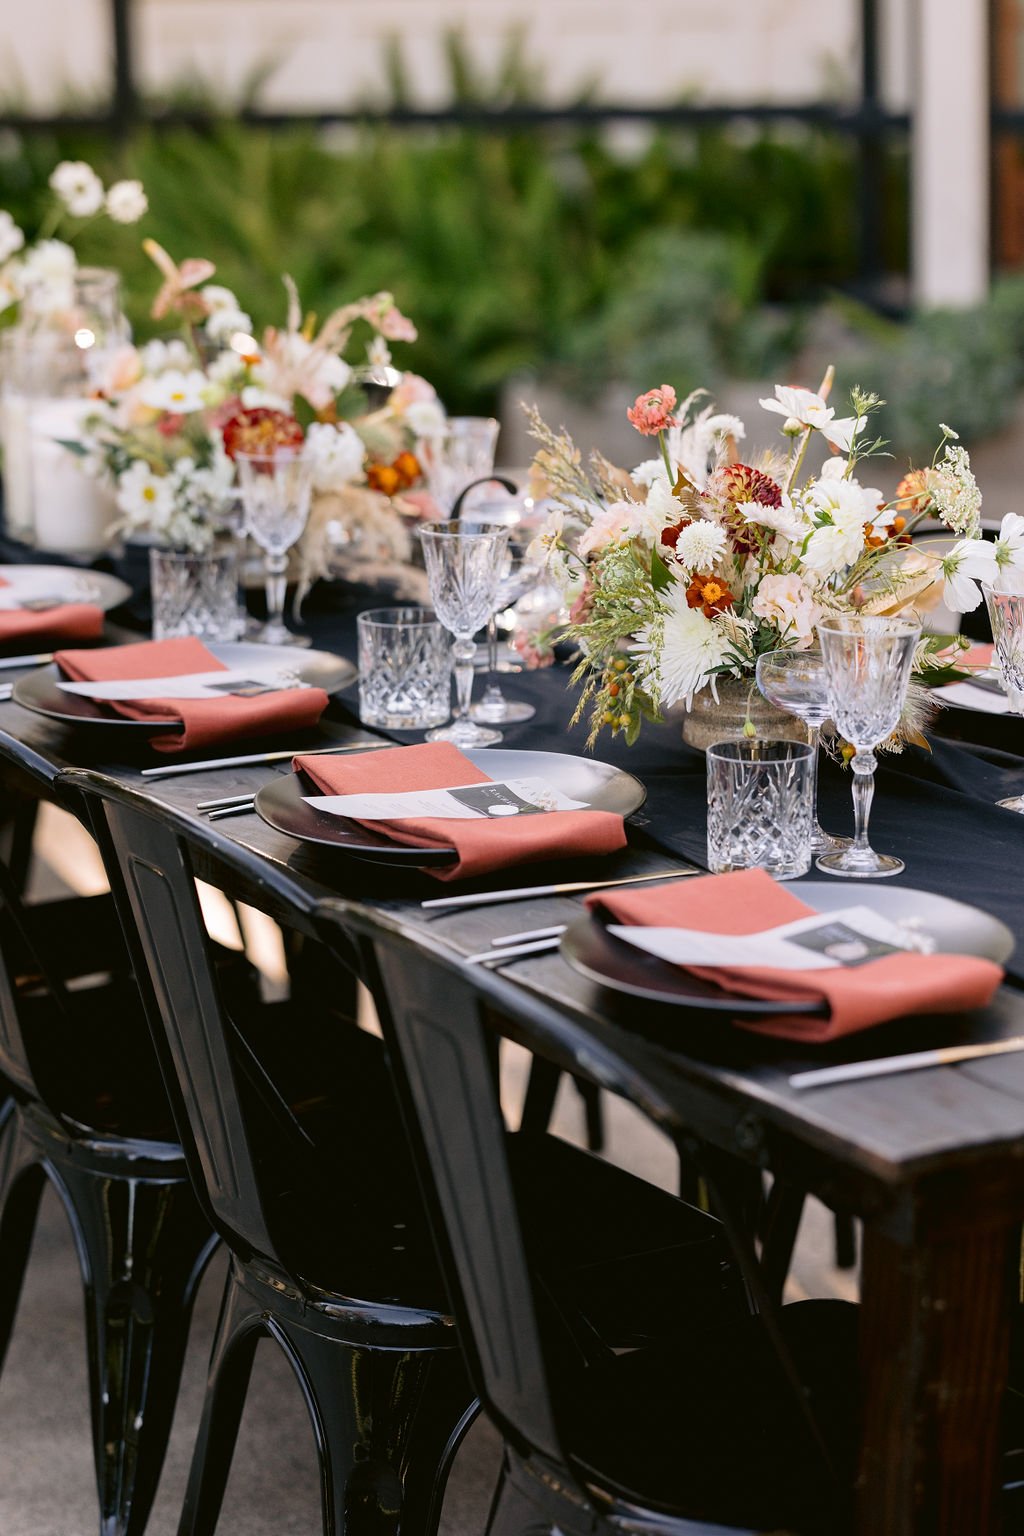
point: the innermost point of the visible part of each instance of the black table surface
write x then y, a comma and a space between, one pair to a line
934, 809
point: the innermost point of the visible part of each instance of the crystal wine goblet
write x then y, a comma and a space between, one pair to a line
1006, 612
464, 569
867, 664
276, 489
795, 681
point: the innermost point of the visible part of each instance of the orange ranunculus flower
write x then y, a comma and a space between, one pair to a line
408, 467
383, 478
709, 593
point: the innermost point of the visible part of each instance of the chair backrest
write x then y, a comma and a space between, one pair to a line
442, 1020
444, 1065
149, 855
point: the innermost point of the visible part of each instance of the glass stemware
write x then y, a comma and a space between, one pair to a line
867, 664
796, 682
464, 569
1006, 613
463, 451
276, 489
494, 708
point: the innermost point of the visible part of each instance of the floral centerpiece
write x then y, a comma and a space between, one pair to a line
170, 416
682, 572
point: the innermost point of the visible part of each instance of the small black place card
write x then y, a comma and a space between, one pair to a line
495, 800
249, 688
849, 946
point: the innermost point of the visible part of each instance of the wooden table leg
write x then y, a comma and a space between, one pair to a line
935, 1323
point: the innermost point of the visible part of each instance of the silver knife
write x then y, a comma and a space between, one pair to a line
171, 769
493, 898
824, 1077
10, 662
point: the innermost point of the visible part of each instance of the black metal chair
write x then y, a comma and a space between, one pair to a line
332, 1253
310, 1188
87, 1111
741, 1424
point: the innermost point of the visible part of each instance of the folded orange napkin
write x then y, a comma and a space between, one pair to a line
482, 845
750, 901
208, 722
68, 621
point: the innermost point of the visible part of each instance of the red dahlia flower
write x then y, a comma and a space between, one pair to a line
261, 430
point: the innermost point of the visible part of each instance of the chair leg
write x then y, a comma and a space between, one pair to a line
387, 1424
541, 1092
239, 1328
22, 1181
142, 1245
512, 1512
845, 1241
539, 1103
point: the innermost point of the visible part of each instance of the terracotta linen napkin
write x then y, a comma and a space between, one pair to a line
749, 901
68, 621
208, 722
482, 845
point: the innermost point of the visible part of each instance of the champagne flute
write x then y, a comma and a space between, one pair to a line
464, 569
796, 682
867, 664
518, 576
276, 490
1006, 613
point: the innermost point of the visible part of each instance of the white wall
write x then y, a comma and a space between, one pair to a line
329, 51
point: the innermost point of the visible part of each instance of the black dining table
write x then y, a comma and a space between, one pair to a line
932, 1160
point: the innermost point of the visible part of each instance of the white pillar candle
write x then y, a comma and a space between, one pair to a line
72, 512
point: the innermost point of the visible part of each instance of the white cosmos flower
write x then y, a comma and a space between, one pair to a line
146, 499
960, 593
544, 544
174, 391
11, 237
677, 656
337, 453
1009, 552
802, 408
126, 202
78, 187
700, 544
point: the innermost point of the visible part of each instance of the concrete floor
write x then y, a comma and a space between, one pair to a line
46, 1479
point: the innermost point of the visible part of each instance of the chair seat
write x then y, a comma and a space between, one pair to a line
708, 1429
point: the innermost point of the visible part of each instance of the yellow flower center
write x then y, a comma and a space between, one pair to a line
149, 494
